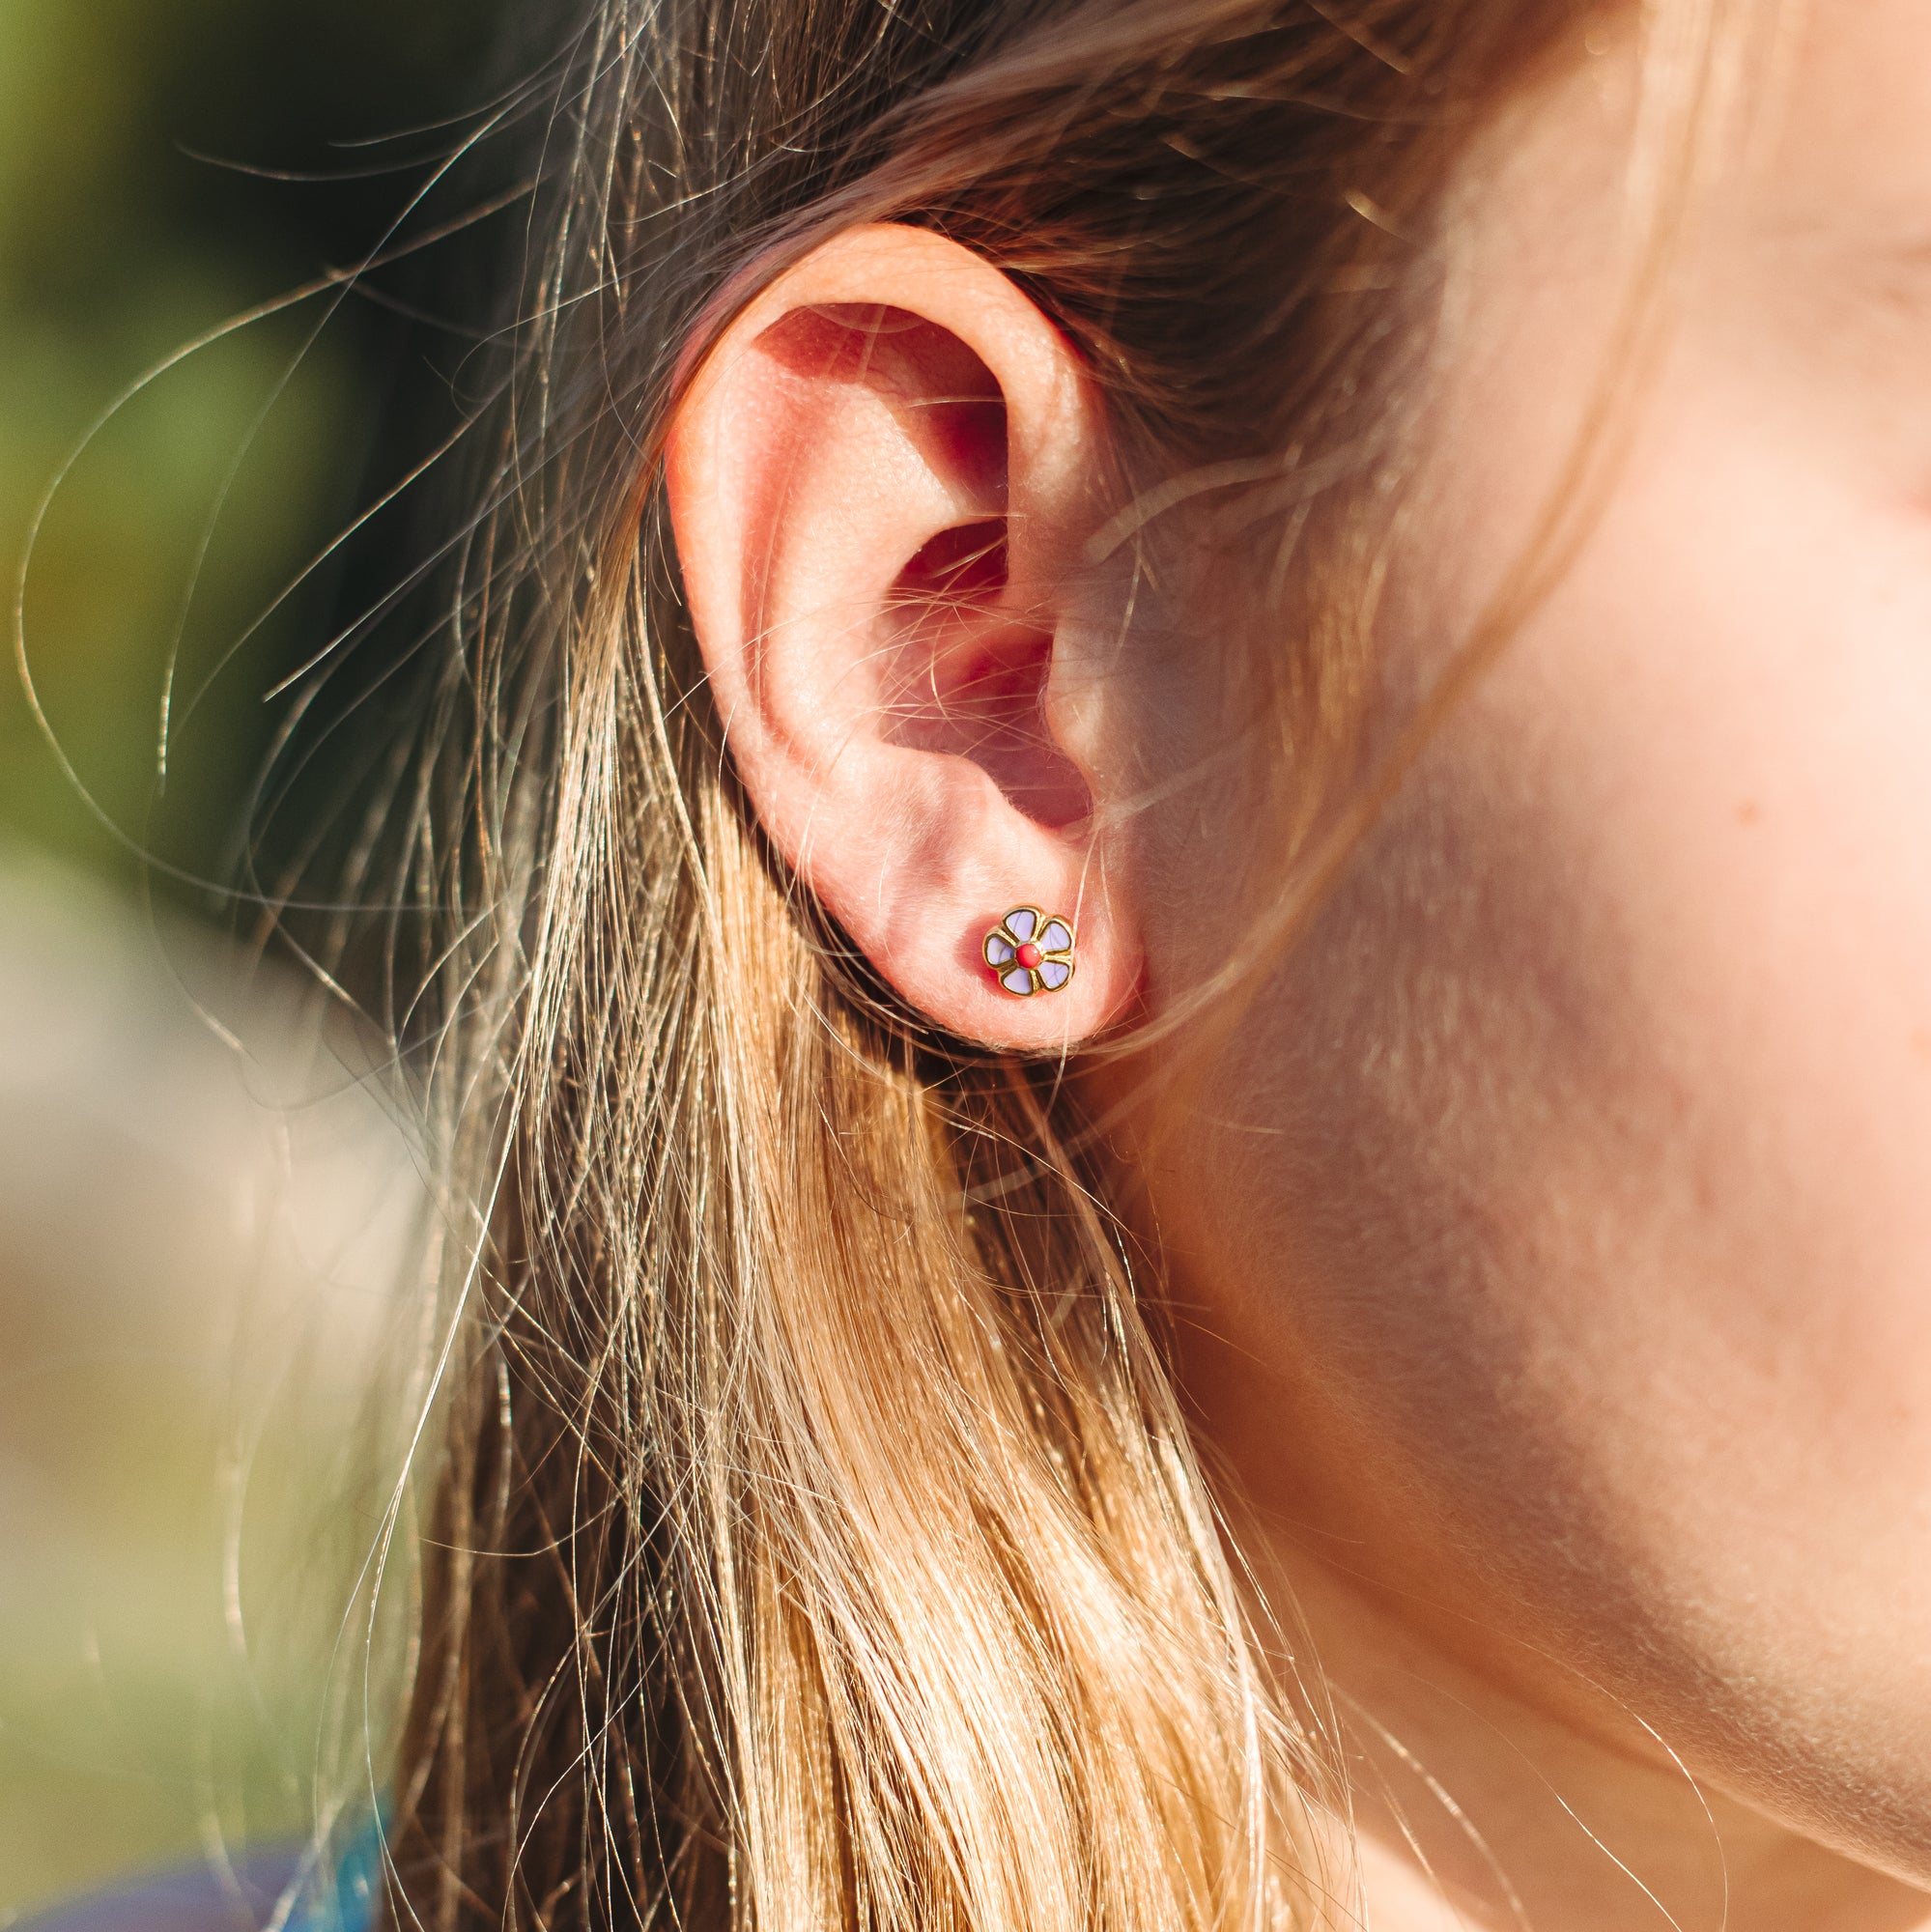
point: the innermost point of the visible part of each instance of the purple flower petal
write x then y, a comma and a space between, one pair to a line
1055, 972
1020, 922
1018, 980
1054, 937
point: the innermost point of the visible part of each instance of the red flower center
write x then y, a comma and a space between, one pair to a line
1029, 956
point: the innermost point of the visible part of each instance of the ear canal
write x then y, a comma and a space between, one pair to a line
964, 660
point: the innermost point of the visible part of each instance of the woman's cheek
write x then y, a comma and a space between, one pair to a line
1570, 1187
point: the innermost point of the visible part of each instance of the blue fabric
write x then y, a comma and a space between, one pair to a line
194, 1900
190, 1899
353, 1906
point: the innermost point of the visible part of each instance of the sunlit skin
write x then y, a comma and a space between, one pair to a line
1574, 1259
1553, 1260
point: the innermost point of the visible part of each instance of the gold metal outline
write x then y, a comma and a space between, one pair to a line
1003, 932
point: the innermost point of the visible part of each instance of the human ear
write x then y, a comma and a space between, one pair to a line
882, 483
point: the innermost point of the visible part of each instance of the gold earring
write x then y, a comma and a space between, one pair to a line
1030, 952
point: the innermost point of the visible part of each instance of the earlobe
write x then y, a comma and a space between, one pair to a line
882, 483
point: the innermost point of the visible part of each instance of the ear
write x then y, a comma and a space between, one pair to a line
883, 480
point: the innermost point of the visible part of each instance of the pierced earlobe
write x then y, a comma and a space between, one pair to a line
1030, 952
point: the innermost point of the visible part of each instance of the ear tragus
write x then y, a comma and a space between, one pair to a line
963, 665
970, 673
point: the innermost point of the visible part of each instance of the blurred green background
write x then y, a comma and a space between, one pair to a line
157, 1693
118, 244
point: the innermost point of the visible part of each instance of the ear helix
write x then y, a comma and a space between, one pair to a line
1030, 952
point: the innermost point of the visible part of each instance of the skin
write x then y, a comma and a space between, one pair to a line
1552, 1257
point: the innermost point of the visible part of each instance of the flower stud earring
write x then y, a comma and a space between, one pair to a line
1029, 952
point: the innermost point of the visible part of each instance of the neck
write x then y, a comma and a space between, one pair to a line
1471, 1810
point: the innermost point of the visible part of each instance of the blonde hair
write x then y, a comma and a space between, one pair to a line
817, 1540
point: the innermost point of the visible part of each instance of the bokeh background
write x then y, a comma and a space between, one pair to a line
203, 1193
